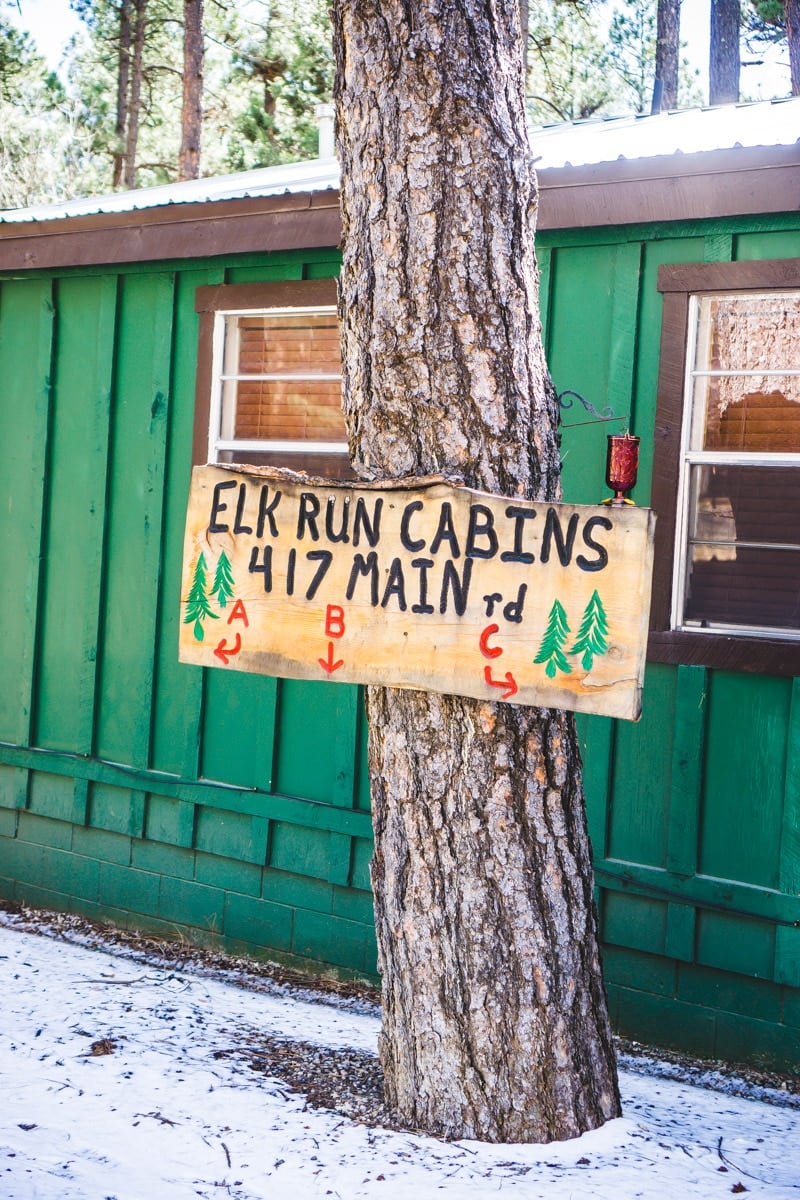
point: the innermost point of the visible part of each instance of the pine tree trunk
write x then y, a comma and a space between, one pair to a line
495, 1023
123, 90
192, 110
134, 106
724, 57
792, 13
668, 39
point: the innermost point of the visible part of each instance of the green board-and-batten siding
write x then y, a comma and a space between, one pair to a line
235, 808
132, 787
694, 812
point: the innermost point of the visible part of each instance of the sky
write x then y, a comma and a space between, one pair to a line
51, 22
121, 1081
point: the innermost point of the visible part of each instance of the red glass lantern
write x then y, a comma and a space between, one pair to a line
622, 465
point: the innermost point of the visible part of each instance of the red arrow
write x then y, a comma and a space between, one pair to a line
328, 664
508, 682
224, 654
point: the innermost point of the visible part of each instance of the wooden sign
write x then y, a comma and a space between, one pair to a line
418, 584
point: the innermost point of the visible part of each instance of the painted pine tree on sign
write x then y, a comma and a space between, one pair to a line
555, 637
592, 639
222, 587
198, 607
495, 1021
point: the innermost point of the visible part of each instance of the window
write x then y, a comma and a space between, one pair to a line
727, 485
270, 374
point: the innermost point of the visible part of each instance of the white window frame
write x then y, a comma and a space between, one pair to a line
216, 442
689, 457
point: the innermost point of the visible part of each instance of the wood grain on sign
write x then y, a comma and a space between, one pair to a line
417, 584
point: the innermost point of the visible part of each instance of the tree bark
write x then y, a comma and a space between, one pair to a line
668, 40
792, 13
123, 89
724, 58
134, 105
495, 1022
192, 110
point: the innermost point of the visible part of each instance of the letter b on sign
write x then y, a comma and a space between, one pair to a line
334, 621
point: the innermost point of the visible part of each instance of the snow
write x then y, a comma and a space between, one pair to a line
160, 1116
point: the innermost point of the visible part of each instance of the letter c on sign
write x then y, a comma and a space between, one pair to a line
486, 650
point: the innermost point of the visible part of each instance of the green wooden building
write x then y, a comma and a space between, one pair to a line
232, 808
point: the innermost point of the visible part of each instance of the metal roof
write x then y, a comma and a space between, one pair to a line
317, 175
767, 123
689, 131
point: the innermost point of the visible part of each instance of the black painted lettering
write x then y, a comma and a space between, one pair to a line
459, 586
412, 544
361, 567
594, 564
513, 610
519, 517
307, 516
490, 602
361, 521
266, 512
481, 525
324, 558
395, 585
554, 533
238, 526
218, 507
290, 567
341, 534
445, 531
264, 567
422, 565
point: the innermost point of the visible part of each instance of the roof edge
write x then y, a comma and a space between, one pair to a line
719, 183
742, 181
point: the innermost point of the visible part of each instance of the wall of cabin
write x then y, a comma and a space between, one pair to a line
694, 812
235, 809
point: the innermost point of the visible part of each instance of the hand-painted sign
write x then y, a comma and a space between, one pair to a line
417, 584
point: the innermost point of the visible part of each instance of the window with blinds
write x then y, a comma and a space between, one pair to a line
737, 556
276, 390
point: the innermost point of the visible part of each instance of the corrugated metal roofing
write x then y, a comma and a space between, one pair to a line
581, 143
317, 175
690, 131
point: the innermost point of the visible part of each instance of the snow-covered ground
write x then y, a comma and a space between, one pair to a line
118, 1084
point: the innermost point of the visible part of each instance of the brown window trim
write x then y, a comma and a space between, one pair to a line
772, 656
209, 300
